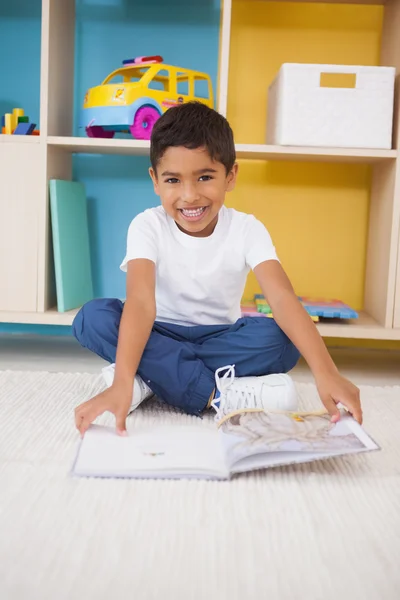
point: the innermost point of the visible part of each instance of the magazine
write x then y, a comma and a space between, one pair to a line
244, 441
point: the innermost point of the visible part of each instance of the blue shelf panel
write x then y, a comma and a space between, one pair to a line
20, 33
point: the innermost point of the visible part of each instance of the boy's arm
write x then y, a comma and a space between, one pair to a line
296, 323
137, 321
135, 327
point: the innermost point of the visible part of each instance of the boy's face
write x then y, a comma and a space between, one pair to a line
192, 188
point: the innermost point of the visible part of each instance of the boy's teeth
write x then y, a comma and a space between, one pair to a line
192, 213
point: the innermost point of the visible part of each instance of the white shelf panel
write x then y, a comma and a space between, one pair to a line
300, 153
246, 151
368, 2
19, 139
49, 317
100, 146
365, 327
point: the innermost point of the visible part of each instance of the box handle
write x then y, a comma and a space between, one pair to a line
338, 80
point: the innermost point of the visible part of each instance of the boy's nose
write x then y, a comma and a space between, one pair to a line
190, 193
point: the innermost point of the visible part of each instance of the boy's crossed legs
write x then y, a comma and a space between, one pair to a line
179, 362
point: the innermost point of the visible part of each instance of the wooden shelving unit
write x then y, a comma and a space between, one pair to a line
28, 296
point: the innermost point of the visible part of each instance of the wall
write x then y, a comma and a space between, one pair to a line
317, 214
20, 27
118, 187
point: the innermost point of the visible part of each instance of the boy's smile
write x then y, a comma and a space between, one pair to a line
192, 188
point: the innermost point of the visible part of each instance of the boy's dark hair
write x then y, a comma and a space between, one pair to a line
193, 125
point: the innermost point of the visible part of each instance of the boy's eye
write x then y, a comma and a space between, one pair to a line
205, 178
172, 180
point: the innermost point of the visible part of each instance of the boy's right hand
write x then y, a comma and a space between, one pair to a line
116, 400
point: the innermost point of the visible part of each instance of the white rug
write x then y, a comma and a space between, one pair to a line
328, 530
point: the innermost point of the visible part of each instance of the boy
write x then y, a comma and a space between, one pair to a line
187, 262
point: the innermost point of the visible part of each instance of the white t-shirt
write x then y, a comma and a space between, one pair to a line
199, 281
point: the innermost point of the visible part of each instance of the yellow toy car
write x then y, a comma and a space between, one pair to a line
132, 98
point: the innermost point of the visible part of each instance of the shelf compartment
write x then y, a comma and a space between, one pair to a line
20, 59
264, 35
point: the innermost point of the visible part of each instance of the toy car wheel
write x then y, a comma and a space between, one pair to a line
96, 131
143, 122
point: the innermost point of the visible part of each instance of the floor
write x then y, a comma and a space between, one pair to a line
48, 353
109, 538
312, 531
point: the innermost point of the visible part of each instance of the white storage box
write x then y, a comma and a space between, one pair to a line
303, 111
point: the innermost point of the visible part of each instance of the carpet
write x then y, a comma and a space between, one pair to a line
327, 530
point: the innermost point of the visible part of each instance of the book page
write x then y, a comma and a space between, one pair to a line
156, 452
280, 438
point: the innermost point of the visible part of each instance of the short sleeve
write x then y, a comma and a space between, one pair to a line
141, 241
258, 244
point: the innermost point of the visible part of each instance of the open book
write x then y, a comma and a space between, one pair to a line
244, 441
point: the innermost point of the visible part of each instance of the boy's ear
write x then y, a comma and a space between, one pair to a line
231, 179
154, 179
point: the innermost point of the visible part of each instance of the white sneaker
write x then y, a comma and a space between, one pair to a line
269, 392
141, 390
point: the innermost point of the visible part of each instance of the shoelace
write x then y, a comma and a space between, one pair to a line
231, 399
225, 381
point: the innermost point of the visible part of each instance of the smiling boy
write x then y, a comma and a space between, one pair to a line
180, 334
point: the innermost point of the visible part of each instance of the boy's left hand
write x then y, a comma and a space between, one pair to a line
333, 389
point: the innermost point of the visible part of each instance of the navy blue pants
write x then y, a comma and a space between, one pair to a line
179, 362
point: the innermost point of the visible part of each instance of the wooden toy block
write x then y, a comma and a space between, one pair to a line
17, 112
24, 129
8, 123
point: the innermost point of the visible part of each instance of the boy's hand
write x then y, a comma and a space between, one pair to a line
116, 400
333, 389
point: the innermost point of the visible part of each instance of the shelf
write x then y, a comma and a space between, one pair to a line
100, 146
49, 317
300, 153
367, 2
363, 328
246, 151
19, 139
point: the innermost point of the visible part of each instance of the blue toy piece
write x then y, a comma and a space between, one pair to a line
24, 129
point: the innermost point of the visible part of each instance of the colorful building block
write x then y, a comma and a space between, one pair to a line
17, 112
24, 129
316, 307
8, 121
